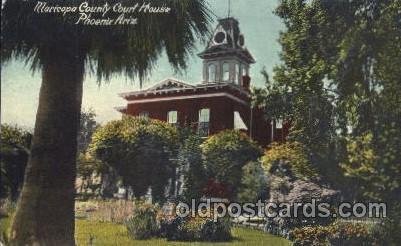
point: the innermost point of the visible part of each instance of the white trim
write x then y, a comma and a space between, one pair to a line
166, 81
221, 94
204, 86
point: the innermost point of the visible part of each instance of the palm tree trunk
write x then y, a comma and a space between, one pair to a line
45, 210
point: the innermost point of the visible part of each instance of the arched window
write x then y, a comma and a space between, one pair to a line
226, 71
212, 73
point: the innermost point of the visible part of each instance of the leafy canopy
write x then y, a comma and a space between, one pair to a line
131, 50
225, 153
140, 150
14, 152
292, 154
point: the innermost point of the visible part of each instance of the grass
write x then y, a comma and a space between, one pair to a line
106, 233
4, 225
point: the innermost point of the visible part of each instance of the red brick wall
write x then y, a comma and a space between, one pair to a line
221, 111
221, 115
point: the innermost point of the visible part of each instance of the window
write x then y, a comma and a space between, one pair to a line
236, 73
172, 117
212, 73
204, 115
243, 70
203, 124
279, 124
144, 114
226, 71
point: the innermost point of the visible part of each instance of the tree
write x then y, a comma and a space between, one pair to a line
14, 153
343, 56
294, 156
253, 183
140, 150
338, 81
299, 82
61, 50
87, 126
225, 153
87, 169
190, 163
371, 178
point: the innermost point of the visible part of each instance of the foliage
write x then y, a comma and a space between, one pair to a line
7, 207
14, 152
107, 49
388, 228
338, 82
294, 155
253, 183
143, 224
64, 51
372, 174
361, 165
225, 154
297, 92
338, 233
87, 169
140, 150
216, 231
87, 126
214, 188
196, 228
191, 166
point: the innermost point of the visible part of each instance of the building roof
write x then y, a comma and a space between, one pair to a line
174, 86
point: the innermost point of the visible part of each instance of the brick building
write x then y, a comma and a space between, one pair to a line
221, 101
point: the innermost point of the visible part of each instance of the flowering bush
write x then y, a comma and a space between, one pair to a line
143, 223
294, 155
195, 228
338, 233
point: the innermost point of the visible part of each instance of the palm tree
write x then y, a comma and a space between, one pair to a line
64, 52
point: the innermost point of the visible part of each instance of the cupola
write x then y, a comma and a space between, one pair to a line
226, 59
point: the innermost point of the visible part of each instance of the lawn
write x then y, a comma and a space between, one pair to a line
4, 225
106, 233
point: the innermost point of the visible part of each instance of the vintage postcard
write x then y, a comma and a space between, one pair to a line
176, 122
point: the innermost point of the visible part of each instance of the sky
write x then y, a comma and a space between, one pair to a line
261, 28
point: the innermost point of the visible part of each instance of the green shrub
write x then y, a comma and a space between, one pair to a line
253, 183
294, 155
143, 223
216, 231
225, 153
336, 234
140, 151
387, 231
196, 229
